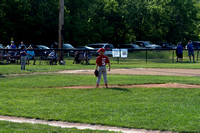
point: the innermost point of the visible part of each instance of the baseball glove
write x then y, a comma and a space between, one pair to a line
96, 73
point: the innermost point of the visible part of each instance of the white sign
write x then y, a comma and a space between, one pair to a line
124, 53
115, 53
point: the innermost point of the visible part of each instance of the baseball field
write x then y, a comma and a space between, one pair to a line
150, 96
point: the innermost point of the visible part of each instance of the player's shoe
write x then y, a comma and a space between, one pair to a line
106, 85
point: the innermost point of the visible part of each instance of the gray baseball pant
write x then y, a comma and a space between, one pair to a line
23, 62
102, 70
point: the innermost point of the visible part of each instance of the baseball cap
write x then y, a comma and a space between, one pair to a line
101, 50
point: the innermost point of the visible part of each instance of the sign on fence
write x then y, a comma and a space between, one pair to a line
120, 53
115, 53
124, 53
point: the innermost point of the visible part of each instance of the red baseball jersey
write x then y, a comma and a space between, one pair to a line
102, 60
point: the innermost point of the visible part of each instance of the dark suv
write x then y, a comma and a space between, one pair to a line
147, 44
165, 45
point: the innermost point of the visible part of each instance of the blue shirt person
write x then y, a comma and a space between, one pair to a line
52, 57
179, 52
13, 46
23, 54
22, 44
31, 55
190, 48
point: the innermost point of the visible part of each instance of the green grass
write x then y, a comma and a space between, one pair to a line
132, 63
9, 127
154, 108
60, 80
35, 96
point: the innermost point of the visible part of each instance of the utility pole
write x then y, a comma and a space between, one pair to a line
61, 28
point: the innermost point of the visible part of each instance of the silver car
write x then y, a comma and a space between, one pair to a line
107, 46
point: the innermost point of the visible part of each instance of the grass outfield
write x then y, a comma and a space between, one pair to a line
35, 96
10, 127
155, 108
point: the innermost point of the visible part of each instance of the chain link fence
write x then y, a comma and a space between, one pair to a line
8, 56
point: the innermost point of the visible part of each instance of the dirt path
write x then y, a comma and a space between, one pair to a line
167, 85
77, 125
143, 71
132, 71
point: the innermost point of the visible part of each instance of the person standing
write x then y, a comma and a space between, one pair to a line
31, 55
22, 44
101, 62
13, 46
179, 52
190, 48
23, 54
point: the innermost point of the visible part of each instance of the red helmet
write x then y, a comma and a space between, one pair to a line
101, 50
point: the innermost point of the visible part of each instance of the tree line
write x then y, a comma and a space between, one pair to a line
92, 21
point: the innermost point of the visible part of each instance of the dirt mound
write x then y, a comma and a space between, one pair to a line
143, 71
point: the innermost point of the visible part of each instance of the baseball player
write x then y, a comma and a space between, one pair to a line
101, 62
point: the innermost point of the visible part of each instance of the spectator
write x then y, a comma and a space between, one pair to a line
179, 52
53, 57
13, 46
1, 56
7, 54
31, 55
23, 54
190, 48
22, 44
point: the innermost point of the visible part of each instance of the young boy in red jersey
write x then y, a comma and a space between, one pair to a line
101, 62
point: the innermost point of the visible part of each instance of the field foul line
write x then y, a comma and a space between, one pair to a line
77, 125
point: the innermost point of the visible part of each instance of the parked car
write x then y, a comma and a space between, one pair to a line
147, 44
66, 46
129, 46
107, 46
44, 53
165, 45
1, 46
196, 44
84, 48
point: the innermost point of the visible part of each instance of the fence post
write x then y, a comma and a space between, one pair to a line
197, 54
146, 55
119, 55
173, 56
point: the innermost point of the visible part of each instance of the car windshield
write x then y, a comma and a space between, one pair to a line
96, 46
1, 46
43, 47
68, 46
146, 43
150, 43
135, 45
